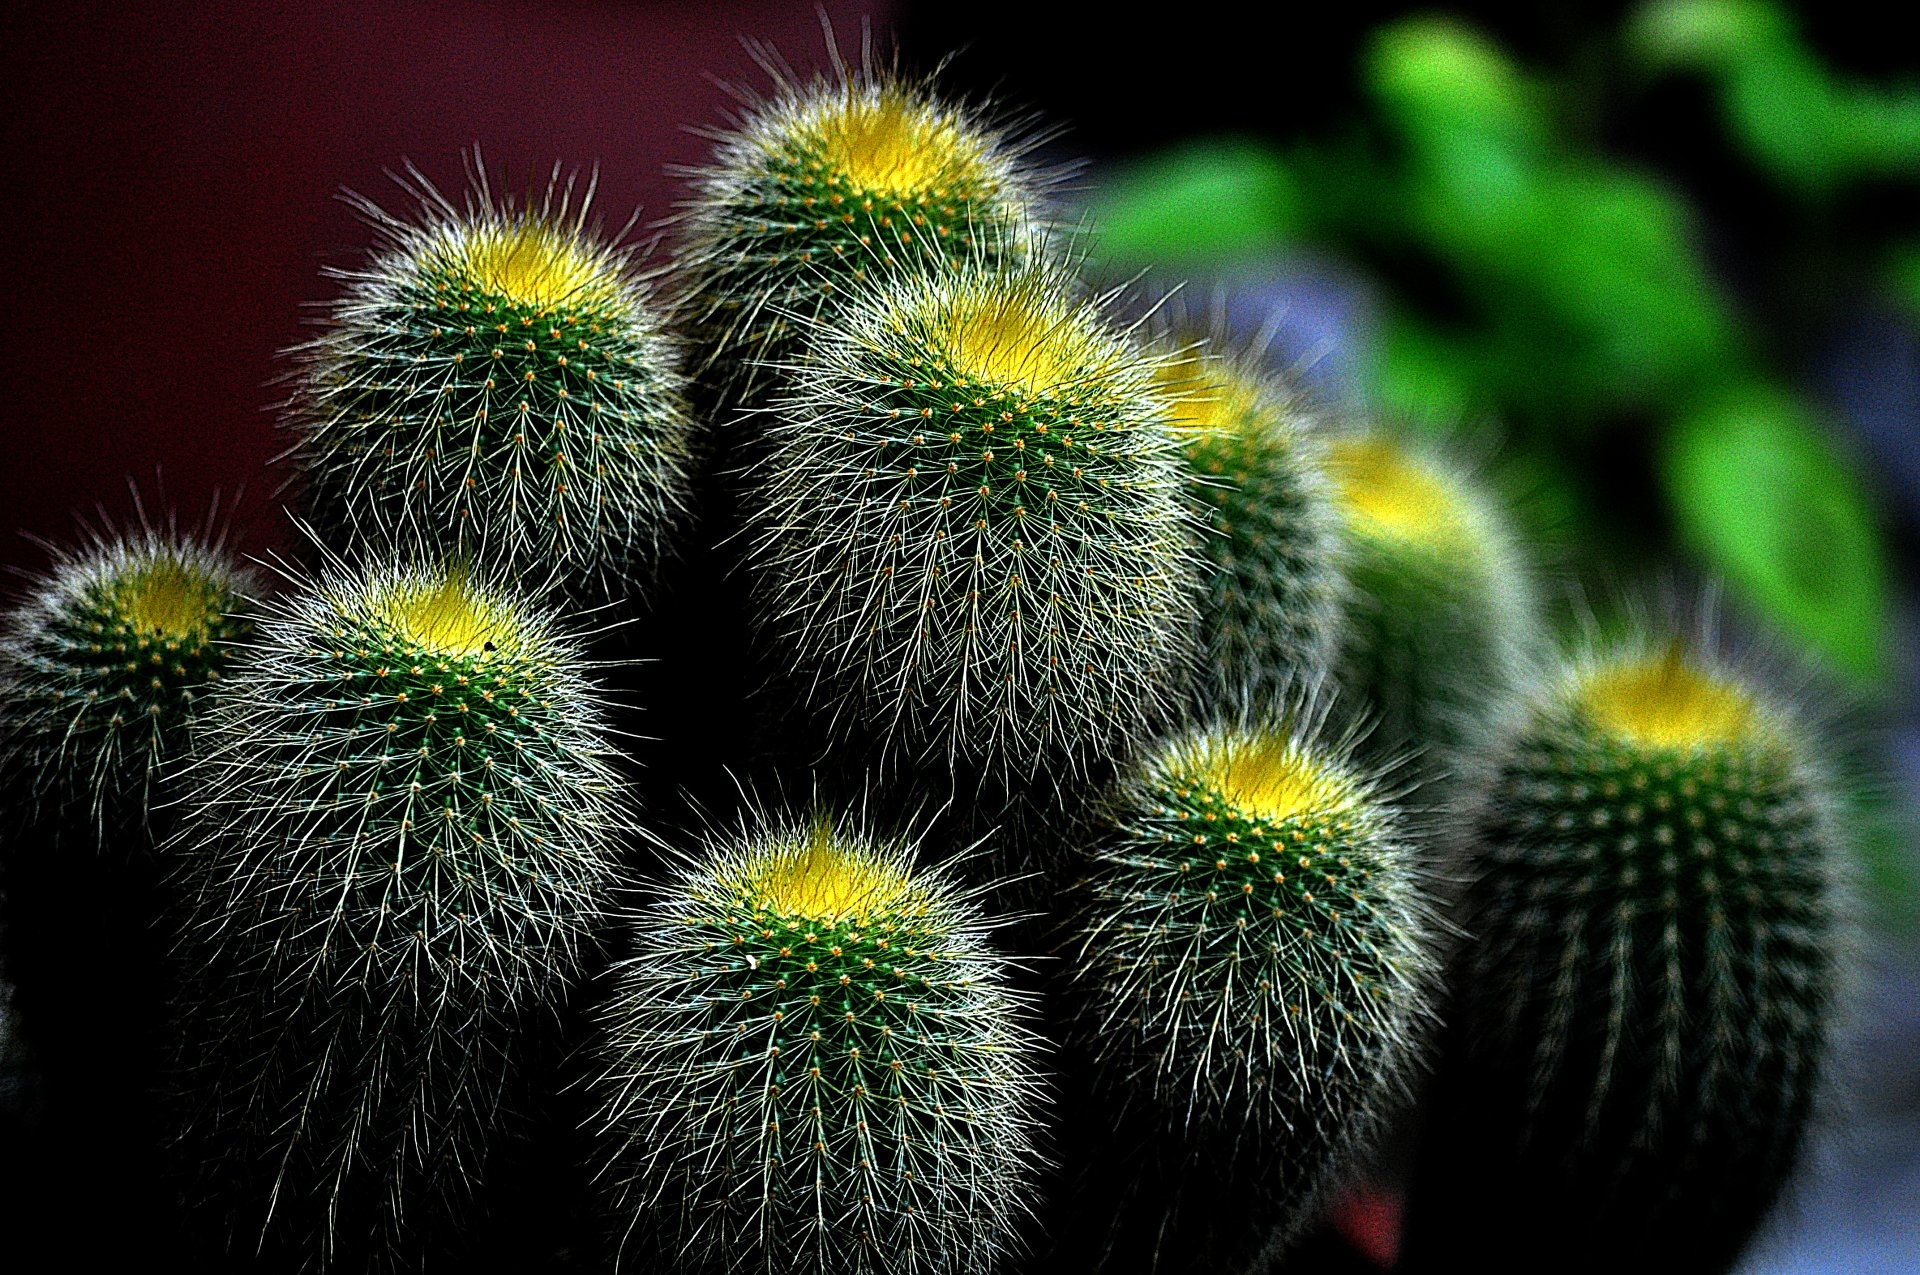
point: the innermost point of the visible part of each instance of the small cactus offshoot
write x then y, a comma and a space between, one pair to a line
1646, 1006
826, 187
814, 1061
969, 539
1272, 609
1252, 974
401, 831
1441, 619
496, 382
106, 665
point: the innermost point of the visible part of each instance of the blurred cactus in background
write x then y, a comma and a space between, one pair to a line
1646, 1000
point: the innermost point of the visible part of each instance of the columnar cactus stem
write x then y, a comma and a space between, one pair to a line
824, 189
1251, 972
1645, 1008
400, 835
1274, 598
1442, 619
969, 538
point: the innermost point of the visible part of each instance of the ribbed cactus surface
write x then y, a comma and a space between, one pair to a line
1271, 612
105, 666
815, 1061
1442, 620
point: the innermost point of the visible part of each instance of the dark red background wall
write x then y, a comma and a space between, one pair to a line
170, 172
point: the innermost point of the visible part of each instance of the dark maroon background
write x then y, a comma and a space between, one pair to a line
170, 172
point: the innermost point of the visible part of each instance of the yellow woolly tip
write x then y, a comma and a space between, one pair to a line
822, 878
1206, 397
1389, 494
524, 260
168, 598
1269, 778
446, 617
1011, 340
1665, 702
891, 145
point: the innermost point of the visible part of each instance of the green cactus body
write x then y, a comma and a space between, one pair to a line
1272, 609
1645, 1008
105, 667
813, 1061
1441, 621
1251, 980
824, 189
402, 830
970, 539
496, 383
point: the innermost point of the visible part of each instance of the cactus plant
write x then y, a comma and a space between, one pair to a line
823, 188
496, 382
1442, 621
1250, 972
815, 1061
400, 833
1644, 1012
104, 668
1271, 613
969, 538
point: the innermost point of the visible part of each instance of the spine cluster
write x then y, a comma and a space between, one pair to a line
105, 668
1277, 586
1442, 623
815, 1061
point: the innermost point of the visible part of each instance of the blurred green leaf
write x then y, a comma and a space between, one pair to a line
1706, 34
1760, 495
1200, 204
1435, 73
1810, 129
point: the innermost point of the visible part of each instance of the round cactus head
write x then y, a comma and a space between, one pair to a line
420, 747
1442, 623
829, 186
107, 662
969, 535
1646, 1004
1252, 974
1271, 613
495, 382
813, 1058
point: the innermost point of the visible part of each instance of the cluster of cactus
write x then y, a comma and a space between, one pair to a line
1065, 598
